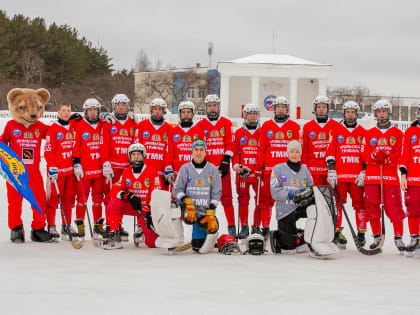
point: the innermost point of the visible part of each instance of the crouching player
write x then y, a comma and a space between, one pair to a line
199, 188
131, 196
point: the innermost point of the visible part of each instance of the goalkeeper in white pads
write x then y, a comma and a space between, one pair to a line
198, 186
291, 187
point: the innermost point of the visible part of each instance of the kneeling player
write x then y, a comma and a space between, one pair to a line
131, 196
199, 188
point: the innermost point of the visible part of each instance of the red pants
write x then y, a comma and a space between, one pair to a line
226, 200
116, 208
266, 202
356, 194
244, 197
36, 183
67, 188
320, 180
412, 201
107, 186
83, 188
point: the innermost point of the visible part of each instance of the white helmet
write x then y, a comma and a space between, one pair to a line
158, 102
248, 108
255, 244
186, 105
321, 100
281, 100
120, 98
351, 105
136, 147
382, 103
91, 103
211, 98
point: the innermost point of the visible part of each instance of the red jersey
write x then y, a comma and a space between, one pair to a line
345, 148
315, 144
246, 142
25, 141
219, 138
388, 139
155, 140
141, 185
87, 147
410, 158
58, 149
274, 138
180, 145
117, 137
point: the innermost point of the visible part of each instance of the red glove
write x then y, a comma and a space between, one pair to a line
380, 154
259, 170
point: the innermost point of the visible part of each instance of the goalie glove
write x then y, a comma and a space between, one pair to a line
304, 197
131, 198
209, 222
190, 215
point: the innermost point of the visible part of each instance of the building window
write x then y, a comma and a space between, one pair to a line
191, 93
202, 93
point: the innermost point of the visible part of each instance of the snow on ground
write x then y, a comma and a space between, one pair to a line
57, 279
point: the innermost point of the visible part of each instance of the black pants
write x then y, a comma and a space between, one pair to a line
287, 230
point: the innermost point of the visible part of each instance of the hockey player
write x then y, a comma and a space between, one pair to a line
58, 155
25, 141
288, 180
381, 151
220, 146
88, 168
198, 186
346, 169
181, 138
130, 195
274, 137
153, 134
117, 137
316, 134
244, 161
410, 181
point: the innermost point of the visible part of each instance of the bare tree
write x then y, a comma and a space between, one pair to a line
32, 66
143, 63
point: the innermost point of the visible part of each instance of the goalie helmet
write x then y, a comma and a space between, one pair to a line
136, 147
186, 105
227, 244
160, 103
255, 244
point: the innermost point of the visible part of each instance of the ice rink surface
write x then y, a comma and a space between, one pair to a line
57, 279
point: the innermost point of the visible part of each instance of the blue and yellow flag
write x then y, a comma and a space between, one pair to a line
14, 171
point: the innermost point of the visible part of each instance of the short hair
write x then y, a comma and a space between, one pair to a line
62, 105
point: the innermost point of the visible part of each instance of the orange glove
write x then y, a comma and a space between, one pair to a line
190, 215
211, 221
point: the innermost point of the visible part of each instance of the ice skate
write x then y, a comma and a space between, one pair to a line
413, 247
124, 234
98, 230
266, 233
113, 241
400, 244
339, 239
80, 229
53, 233
232, 230
244, 232
17, 234
65, 233
376, 241
361, 238
40, 235
138, 235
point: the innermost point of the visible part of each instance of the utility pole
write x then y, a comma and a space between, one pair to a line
210, 51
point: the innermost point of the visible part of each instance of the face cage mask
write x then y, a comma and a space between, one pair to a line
230, 248
255, 247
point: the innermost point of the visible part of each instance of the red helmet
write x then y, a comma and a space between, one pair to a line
227, 245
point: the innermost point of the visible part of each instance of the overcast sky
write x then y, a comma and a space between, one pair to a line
375, 43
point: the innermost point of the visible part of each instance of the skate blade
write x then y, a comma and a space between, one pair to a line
410, 254
318, 256
112, 247
18, 241
341, 246
54, 240
124, 239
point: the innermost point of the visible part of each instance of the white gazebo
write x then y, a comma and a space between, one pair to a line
259, 78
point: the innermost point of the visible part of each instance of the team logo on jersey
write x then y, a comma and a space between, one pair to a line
253, 142
413, 138
322, 136
279, 135
156, 137
242, 141
373, 141
95, 136
382, 141
283, 178
123, 132
165, 137
312, 135
340, 139
294, 182
37, 133
189, 179
28, 135
304, 182
392, 140
128, 182
147, 182
289, 134
206, 132
157, 182
86, 136
113, 130
210, 179
350, 140
199, 182
27, 155
360, 139
69, 136
270, 134
222, 132
176, 137
186, 138
132, 132
47, 139
137, 185
59, 136
146, 135
17, 132
214, 133
195, 136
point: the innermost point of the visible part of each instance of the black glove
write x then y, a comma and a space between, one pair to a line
224, 165
130, 197
304, 197
244, 173
76, 116
149, 221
